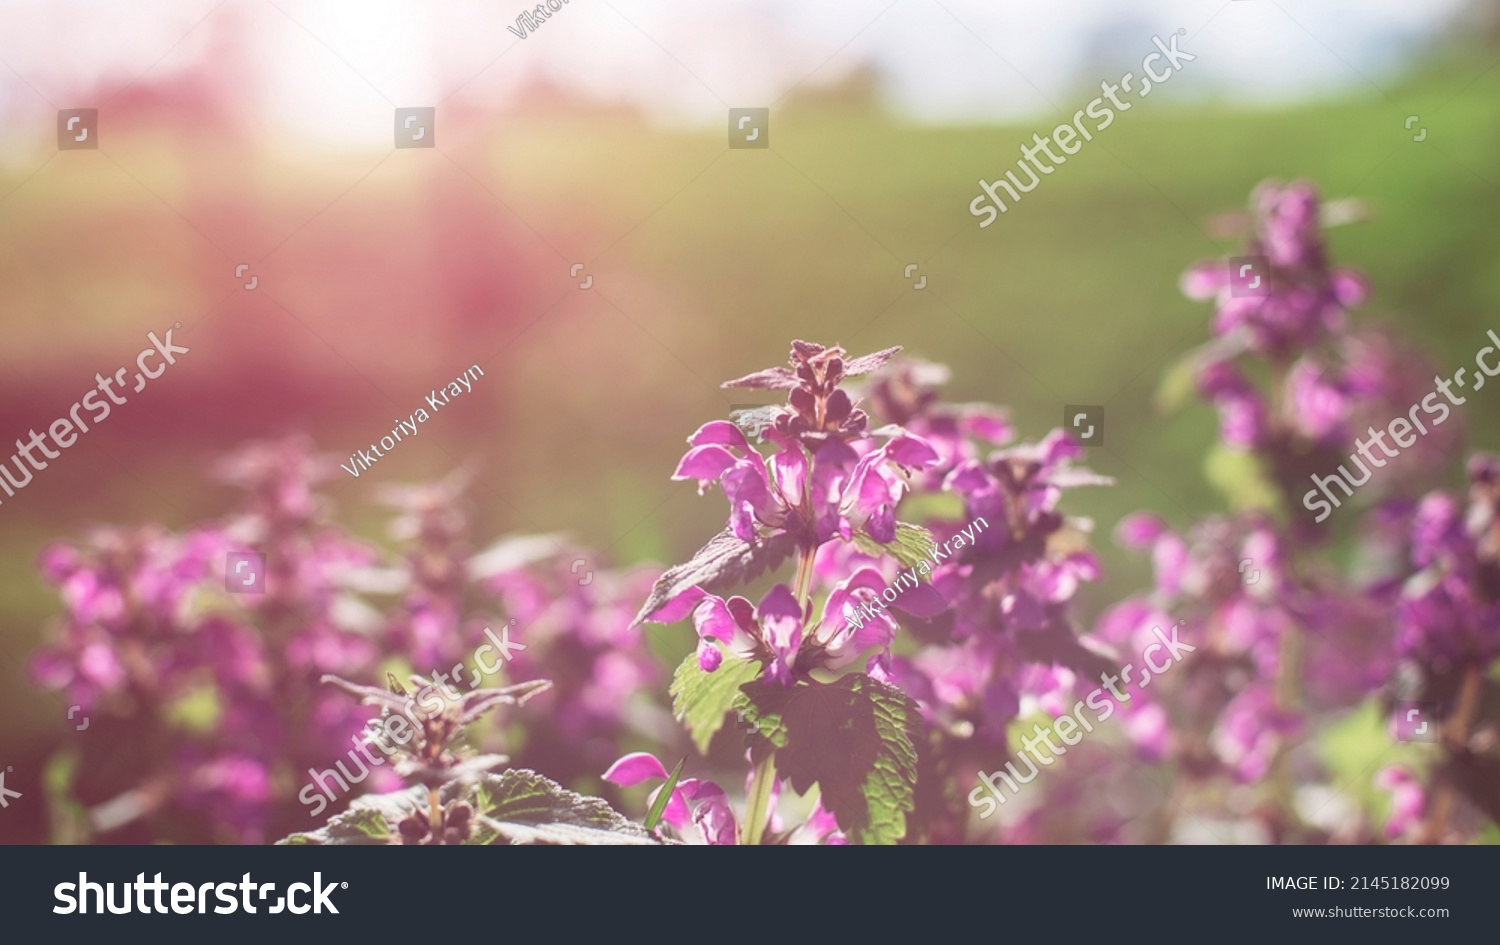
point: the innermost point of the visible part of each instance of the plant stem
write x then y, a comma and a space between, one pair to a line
759, 800
434, 814
805, 559
758, 803
1455, 738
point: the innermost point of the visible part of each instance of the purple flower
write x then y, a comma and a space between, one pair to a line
776, 634
1302, 300
1251, 731
1408, 801
833, 495
699, 803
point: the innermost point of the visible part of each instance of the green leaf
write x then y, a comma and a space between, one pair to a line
362, 824
853, 738
911, 545
726, 561
516, 806
653, 816
700, 700
521, 806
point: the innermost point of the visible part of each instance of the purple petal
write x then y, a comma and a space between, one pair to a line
924, 600
778, 603
911, 451
968, 479
705, 463
1140, 530
712, 619
790, 466
712, 813
1349, 287
679, 606
989, 426
720, 432
709, 656
1205, 280
634, 768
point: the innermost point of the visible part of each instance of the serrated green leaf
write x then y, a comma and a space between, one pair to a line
764, 709
911, 545
701, 700
851, 737
659, 806
889, 789
360, 825
516, 806
521, 807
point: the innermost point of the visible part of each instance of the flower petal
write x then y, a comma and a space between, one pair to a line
634, 768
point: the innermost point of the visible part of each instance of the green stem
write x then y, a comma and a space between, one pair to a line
759, 800
758, 803
805, 576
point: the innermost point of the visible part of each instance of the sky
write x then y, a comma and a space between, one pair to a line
317, 69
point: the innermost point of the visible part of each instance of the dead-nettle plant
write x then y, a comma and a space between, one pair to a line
458, 798
824, 701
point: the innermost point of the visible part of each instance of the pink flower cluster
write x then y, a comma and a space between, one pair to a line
932, 606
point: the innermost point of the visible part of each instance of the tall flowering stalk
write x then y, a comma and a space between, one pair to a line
826, 699
1291, 641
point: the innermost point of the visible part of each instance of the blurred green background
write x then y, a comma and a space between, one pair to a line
706, 262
